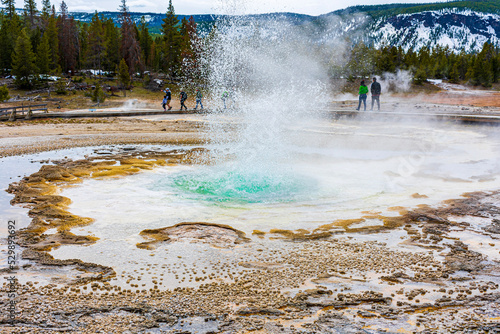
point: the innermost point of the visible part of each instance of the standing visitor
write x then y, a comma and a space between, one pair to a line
225, 95
363, 90
375, 89
183, 98
164, 103
199, 96
168, 96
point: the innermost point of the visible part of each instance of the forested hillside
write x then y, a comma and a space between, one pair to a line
377, 11
53, 42
376, 40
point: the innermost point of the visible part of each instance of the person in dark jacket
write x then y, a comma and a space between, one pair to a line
363, 90
183, 97
168, 97
375, 89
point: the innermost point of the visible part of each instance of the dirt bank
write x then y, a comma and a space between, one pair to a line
24, 137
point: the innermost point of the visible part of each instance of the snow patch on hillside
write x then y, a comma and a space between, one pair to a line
458, 29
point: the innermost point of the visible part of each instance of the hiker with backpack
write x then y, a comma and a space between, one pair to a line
167, 98
199, 96
183, 97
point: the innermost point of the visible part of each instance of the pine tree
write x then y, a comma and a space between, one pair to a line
495, 68
196, 48
83, 37
420, 76
185, 41
170, 52
124, 76
454, 76
9, 31
485, 72
410, 59
154, 55
30, 11
130, 49
145, 41
5, 48
46, 9
4, 93
68, 40
53, 39
96, 44
361, 61
440, 62
10, 8
43, 55
112, 37
463, 64
481, 72
186, 51
424, 61
98, 95
23, 61
386, 61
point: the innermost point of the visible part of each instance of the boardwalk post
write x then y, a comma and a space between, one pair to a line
12, 116
29, 114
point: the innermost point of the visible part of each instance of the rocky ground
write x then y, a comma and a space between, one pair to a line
322, 281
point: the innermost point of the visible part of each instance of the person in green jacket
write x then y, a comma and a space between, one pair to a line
363, 90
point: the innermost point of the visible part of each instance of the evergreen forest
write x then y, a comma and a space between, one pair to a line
50, 42
41, 43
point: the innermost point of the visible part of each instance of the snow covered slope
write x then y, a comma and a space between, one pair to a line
459, 30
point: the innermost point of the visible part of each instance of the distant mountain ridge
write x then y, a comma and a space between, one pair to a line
460, 25
155, 19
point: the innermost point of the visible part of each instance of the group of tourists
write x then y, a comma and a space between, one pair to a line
183, 97
375, 90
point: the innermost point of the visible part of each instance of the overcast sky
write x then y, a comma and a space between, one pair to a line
311, 7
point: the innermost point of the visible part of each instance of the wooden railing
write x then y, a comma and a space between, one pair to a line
25, 110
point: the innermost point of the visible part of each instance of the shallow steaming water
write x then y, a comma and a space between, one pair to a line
339, 171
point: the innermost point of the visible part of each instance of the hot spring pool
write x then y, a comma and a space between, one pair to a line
332, 172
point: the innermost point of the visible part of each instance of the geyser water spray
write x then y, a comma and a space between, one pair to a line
265, 84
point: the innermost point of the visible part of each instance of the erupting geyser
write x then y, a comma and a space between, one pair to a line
285, 220
266, 86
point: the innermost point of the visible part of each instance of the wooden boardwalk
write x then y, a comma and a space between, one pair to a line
105, 113
335, 114
386, 115
24, 111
